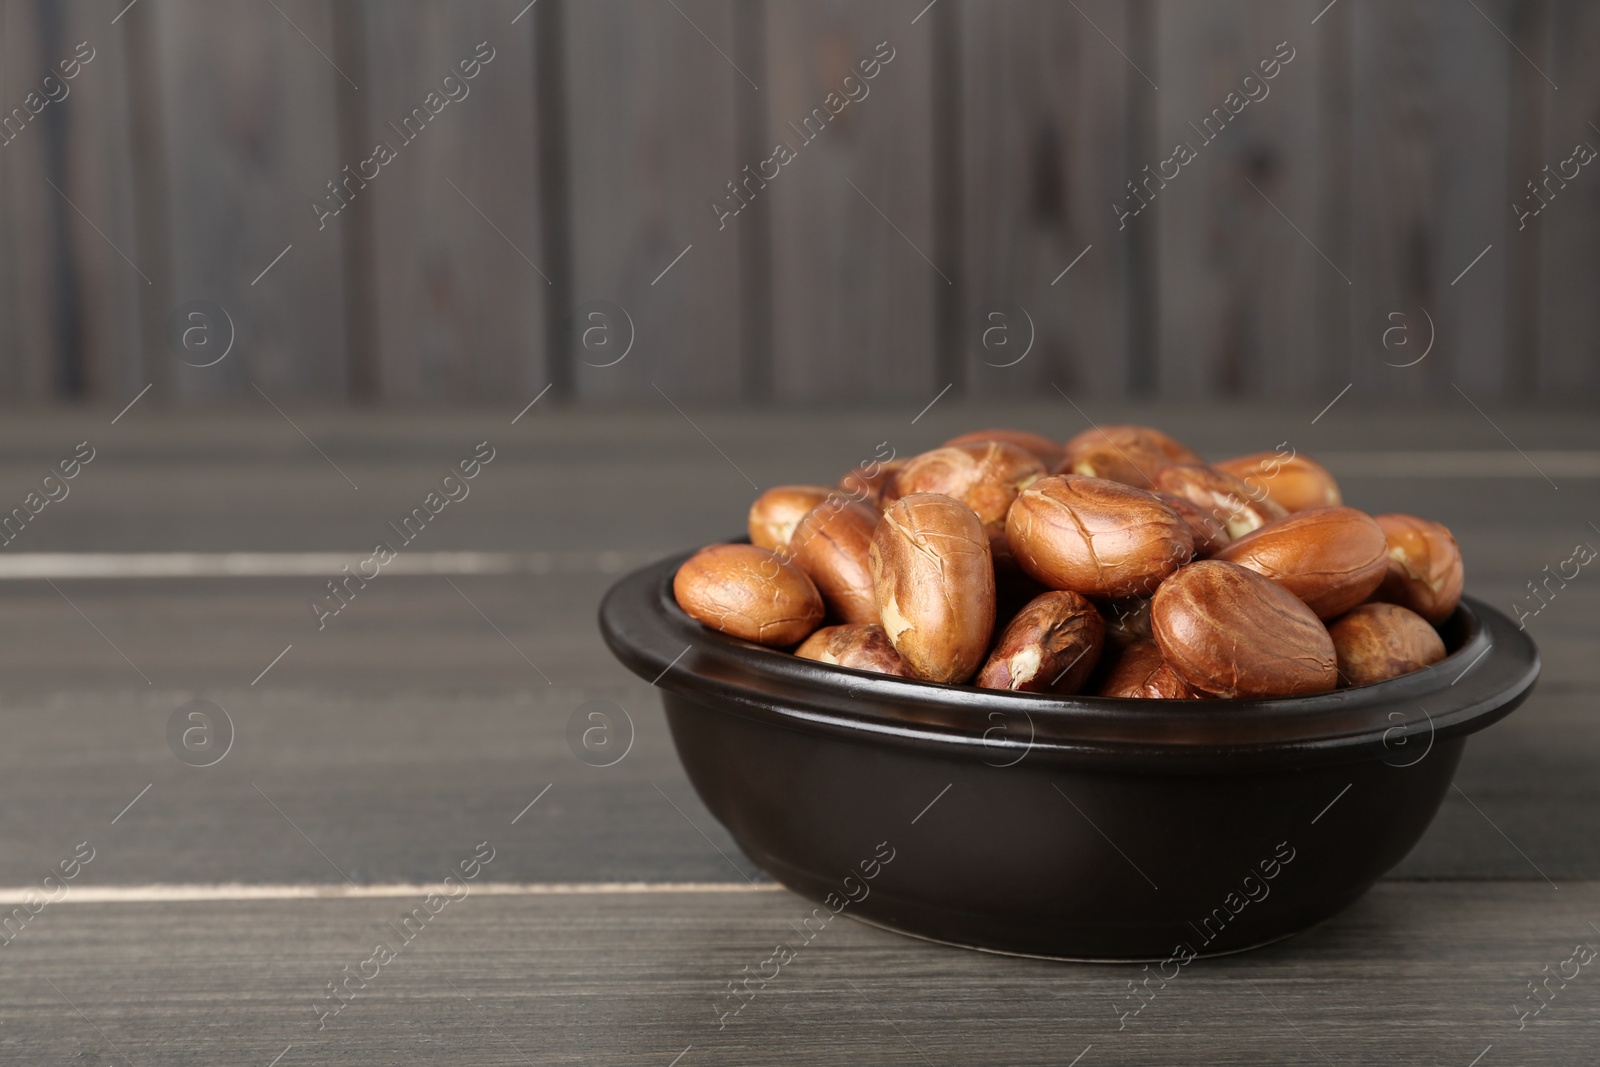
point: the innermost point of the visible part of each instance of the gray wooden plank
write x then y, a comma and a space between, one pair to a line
1237, 284
653, 127
370, 810
853, 294
1569, 353
150, 189
1429, 194
1332, 328
99, 156
561, 480
1473, 184
1527, 29
457, 246
29, 219
1045, 138
412, 712
224, 482
248, 113
1395, 219
633, 978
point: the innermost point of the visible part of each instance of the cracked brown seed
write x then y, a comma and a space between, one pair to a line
863, 646
1332, 558
1424, 572
1052, 646
1230, 632
1380, 641
774, 514
749, 592
934, 580
1096, 537
831, 545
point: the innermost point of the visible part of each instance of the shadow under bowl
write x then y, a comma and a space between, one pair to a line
1080, 827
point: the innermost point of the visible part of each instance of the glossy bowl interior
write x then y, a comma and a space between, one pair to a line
1072, 827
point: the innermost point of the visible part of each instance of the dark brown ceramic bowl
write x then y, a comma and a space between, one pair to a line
1074, 827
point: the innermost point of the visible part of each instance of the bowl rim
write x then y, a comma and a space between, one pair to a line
1489, 672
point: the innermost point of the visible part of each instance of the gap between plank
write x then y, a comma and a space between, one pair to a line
151, 894
41, 565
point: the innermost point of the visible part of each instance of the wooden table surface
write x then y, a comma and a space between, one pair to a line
373, 754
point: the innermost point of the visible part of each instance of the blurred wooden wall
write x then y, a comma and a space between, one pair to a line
561, 213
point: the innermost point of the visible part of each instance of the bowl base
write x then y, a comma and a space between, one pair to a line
1079, 959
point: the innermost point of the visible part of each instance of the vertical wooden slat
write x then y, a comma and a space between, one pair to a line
67, 217
73, 329
994, 143
459, 289
755, 237
1429, 193
29, 332
249, 116
1394, 219
653, 117
949, 191
554, 190
1237, 282
1332, 331
1143, 297
149, 189
853, 295
1526, 22
98, 153
1470, 181
1045, 131
358, 265
1569, 363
